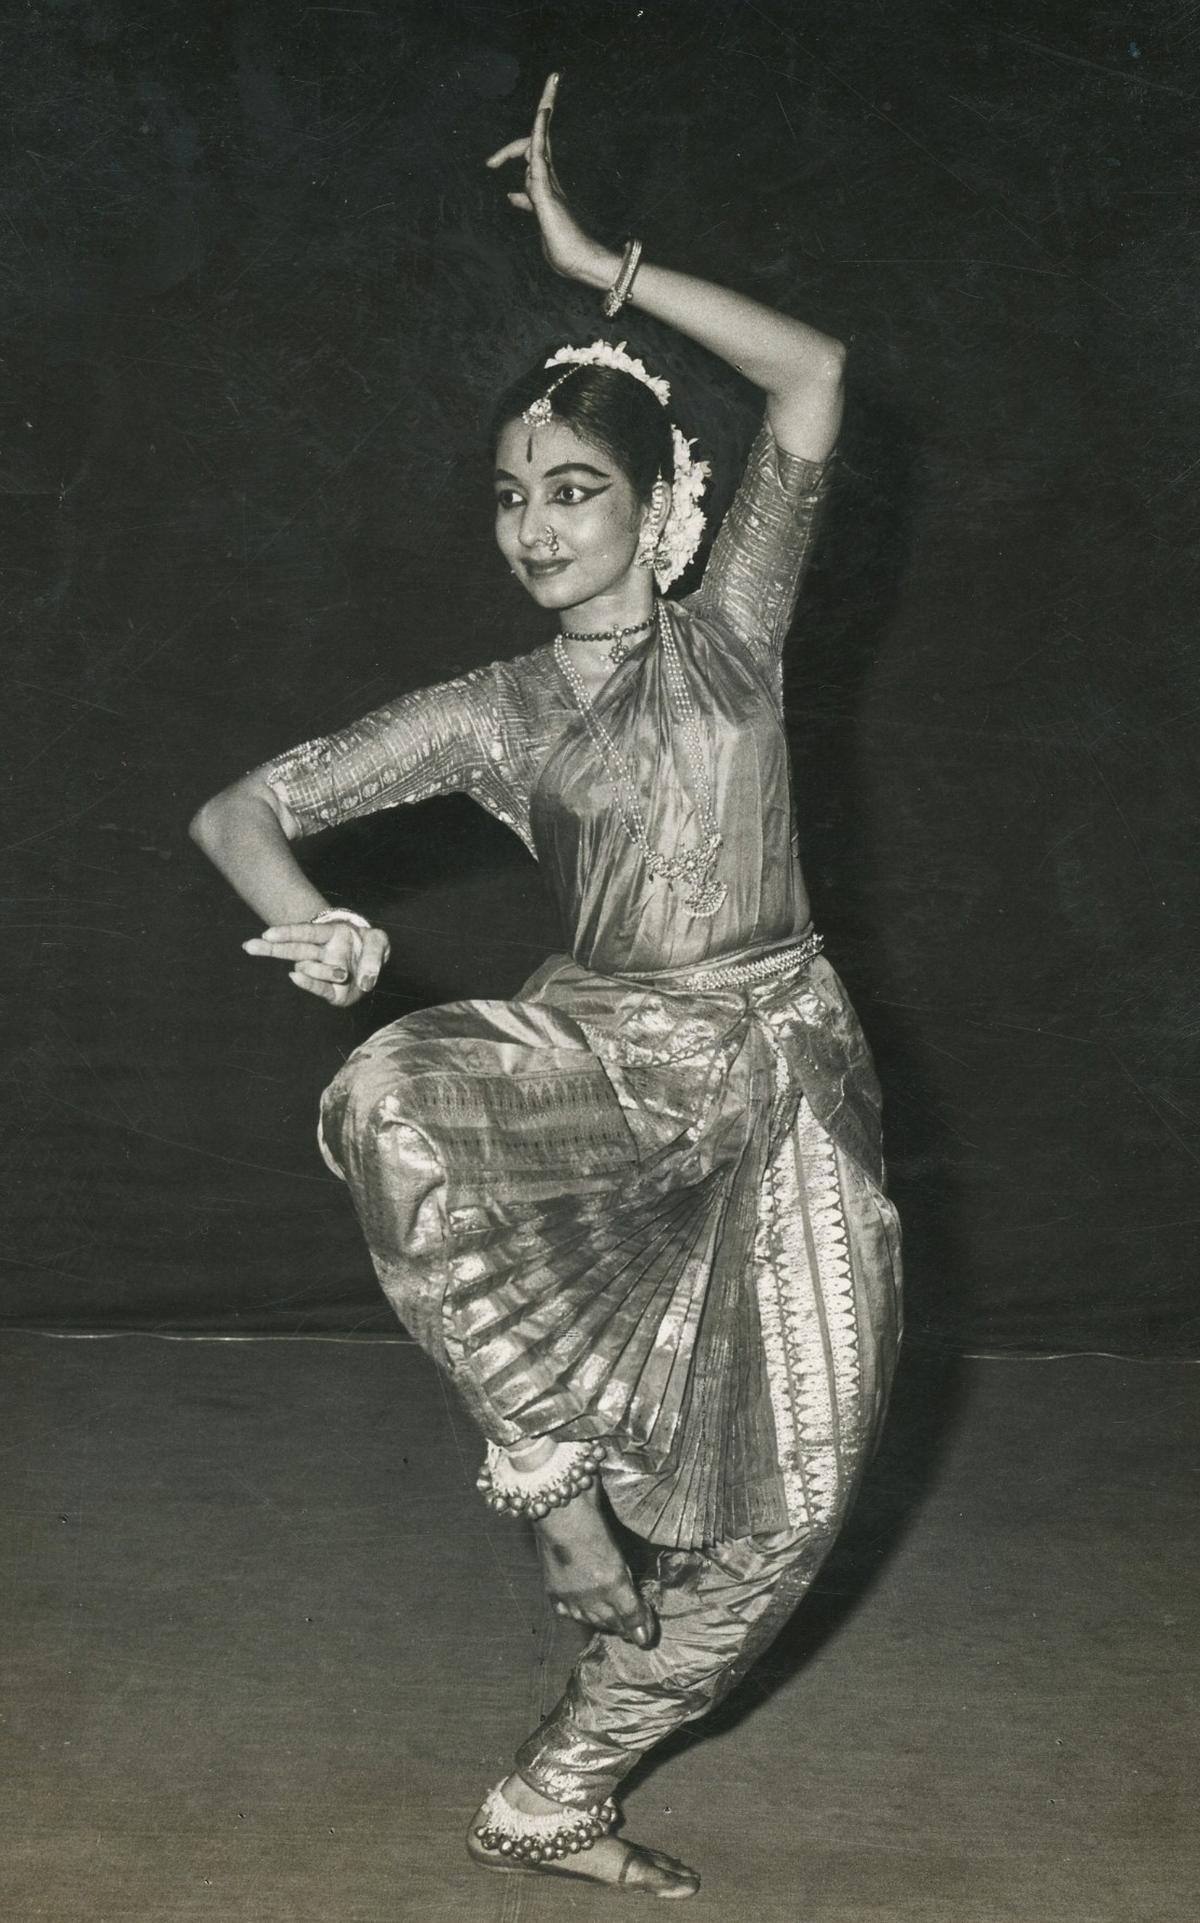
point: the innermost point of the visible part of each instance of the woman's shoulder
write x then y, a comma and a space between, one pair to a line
752, 576
508, 675
534, 665
525, 692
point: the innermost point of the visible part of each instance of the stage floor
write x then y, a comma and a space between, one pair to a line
265, 1647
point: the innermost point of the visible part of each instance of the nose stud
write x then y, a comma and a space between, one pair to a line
551, 539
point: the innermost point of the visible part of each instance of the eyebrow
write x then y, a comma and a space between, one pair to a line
564, 467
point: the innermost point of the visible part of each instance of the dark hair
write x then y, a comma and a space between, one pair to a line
612, 410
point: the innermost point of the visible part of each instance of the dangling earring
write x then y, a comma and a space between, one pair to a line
650, 536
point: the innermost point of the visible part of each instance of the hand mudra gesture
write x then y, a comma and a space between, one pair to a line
332, 959
567, 248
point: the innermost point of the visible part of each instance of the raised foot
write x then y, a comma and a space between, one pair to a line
611, 1862
585, 1574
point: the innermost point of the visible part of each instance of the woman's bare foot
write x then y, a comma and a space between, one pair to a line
586, 1576
609, 1861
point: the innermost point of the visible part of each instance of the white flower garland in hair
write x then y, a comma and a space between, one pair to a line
684, 527
604, 354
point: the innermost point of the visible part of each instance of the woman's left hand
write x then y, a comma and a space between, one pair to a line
567, 248
334, 959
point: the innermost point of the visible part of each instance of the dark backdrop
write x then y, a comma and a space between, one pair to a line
257, 292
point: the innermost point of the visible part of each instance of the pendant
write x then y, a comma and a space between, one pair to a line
618, 653
705, 897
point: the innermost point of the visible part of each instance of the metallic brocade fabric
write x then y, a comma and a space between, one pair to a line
717, 1611
619, 1205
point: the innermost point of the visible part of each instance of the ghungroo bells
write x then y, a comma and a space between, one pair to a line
540, 1839
566, 1473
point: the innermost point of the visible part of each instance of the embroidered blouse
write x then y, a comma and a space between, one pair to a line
511, 735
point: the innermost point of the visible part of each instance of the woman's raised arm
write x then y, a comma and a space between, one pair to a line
798, 368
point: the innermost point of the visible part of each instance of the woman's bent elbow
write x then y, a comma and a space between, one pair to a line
830, 363
203, 825
246, 804
223, 812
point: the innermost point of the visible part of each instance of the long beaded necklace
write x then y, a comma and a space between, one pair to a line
703, 894
618, 636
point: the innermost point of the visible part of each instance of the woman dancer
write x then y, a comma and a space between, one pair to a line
635, 1213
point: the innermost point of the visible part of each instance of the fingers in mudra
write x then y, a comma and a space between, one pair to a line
338, 994
323, 959
567, 248
334, 960
541, 182
533, 149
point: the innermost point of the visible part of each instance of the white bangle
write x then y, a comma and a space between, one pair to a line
340, 914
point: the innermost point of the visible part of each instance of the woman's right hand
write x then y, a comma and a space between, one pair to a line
568, 249
331, 959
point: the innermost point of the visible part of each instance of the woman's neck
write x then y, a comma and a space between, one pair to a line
607, 629
626, 606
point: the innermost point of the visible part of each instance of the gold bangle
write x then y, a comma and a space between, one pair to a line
619, 292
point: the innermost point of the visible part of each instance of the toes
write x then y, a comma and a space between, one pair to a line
577, 1613
631, 1619
645, 1628
591, 1611
671, 1864
637, 1623
602, 1616
664, 1875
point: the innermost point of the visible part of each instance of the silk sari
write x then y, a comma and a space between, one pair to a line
643, 1200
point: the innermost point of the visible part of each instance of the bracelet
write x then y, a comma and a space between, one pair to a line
565, 1474
340, 914
619, 292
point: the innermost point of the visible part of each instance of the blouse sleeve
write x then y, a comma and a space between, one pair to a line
461, 736
752, 581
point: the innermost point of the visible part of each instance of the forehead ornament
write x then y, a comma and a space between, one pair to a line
540, 413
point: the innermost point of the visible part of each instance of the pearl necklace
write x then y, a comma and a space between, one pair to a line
703, 894
618, 636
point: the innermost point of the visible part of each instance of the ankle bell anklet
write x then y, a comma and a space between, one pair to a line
539, 1839
566, 1473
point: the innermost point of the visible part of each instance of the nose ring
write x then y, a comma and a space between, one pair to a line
551, 539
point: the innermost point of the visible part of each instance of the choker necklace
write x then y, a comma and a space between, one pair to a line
618, 636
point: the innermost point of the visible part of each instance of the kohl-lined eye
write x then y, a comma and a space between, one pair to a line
566, 494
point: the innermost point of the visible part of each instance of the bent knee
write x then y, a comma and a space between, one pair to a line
364, 1099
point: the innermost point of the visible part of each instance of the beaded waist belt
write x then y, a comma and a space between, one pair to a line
759, 968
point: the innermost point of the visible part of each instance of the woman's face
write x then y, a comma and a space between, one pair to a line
567, 518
